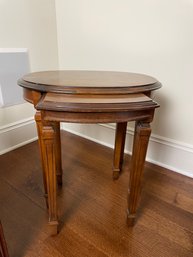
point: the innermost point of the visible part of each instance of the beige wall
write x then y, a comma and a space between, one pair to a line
146, 36
153, 37
27, 24
30, 24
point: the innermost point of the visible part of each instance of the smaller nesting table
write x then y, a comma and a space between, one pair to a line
91, 97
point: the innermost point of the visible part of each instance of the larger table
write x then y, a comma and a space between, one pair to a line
91, 97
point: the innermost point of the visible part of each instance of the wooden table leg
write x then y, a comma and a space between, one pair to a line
49, 158
119, 148
3, 245
50, 151
140, 144
39, 130
58, 153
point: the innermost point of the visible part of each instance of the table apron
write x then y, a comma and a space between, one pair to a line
102, 117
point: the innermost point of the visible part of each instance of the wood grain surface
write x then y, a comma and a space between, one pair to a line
89, 78
89, 82
100, 99
95, 103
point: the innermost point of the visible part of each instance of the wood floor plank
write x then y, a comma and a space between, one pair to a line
22, 169
92, 207
174, 192
21, 218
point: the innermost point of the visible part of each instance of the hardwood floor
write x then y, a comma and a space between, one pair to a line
92, 207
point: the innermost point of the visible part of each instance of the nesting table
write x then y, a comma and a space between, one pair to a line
91, 97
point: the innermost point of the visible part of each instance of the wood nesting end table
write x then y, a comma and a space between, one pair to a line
91, 97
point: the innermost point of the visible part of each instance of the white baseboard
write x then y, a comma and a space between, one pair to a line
164, 152
17, 134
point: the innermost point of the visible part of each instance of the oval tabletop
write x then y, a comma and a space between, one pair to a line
89, 82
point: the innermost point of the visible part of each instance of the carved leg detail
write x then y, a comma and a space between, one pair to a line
141, 139
39, 130
119, 148
58, 153
48, 136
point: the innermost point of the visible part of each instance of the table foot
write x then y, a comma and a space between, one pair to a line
53, 228
116, 173
130, 219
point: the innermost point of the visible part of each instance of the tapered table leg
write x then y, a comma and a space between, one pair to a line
49, 158
3, 245
58, 153
140, 144
119, 148
50, 151
39, 130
